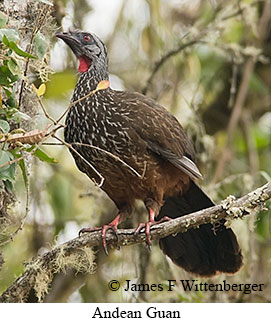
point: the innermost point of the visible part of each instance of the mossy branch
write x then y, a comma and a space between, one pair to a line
77, 253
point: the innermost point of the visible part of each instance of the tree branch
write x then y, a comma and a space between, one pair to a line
242, 93
48, 264
234, 118
164, 58
182, 46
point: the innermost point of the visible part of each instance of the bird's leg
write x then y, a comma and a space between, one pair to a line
111, 226
149, 224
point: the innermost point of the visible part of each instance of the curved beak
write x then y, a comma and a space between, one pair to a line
72, 41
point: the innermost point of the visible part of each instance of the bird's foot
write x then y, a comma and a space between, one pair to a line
148, 226
111, 226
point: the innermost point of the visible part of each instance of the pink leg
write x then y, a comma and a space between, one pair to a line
111, 226
149, 224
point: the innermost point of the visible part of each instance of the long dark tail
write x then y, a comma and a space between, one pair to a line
205, 251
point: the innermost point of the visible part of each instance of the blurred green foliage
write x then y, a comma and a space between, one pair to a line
60, 84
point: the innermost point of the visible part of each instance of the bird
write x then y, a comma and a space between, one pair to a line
141, 152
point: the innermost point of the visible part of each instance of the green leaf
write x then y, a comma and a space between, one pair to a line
257, 84
8, 185
8, 92
23, 169
30, 148
40, 44
3, 19
7, 172
6, 77
4, 158
60, 83
234, 33
5, 40
4, 126
11, 102
60, 195
262, 224
10, 34
19, 51
44, 157
13, 66
12, 45
21, 116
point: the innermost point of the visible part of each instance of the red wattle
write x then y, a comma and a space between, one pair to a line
84, 64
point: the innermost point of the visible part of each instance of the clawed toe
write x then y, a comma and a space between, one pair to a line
84, 230
105, 228
148, 226
111, 226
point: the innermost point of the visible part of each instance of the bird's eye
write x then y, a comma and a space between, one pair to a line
86, 38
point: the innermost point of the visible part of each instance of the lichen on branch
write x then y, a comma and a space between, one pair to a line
78, 254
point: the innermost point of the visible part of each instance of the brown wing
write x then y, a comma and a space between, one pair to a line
160, 130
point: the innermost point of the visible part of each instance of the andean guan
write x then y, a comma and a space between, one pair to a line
145, 136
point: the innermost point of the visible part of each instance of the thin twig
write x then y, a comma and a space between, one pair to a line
52, 144
52, 132
240, 10
233, 84
164, 58
246, 126
86, 161
10, 162
241, 95
98, 88
41, 137
35, 29
235, 116
43, 107
22, 157
113, 156
27, 207
180, 48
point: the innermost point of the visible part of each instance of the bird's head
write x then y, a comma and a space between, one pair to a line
87, 47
